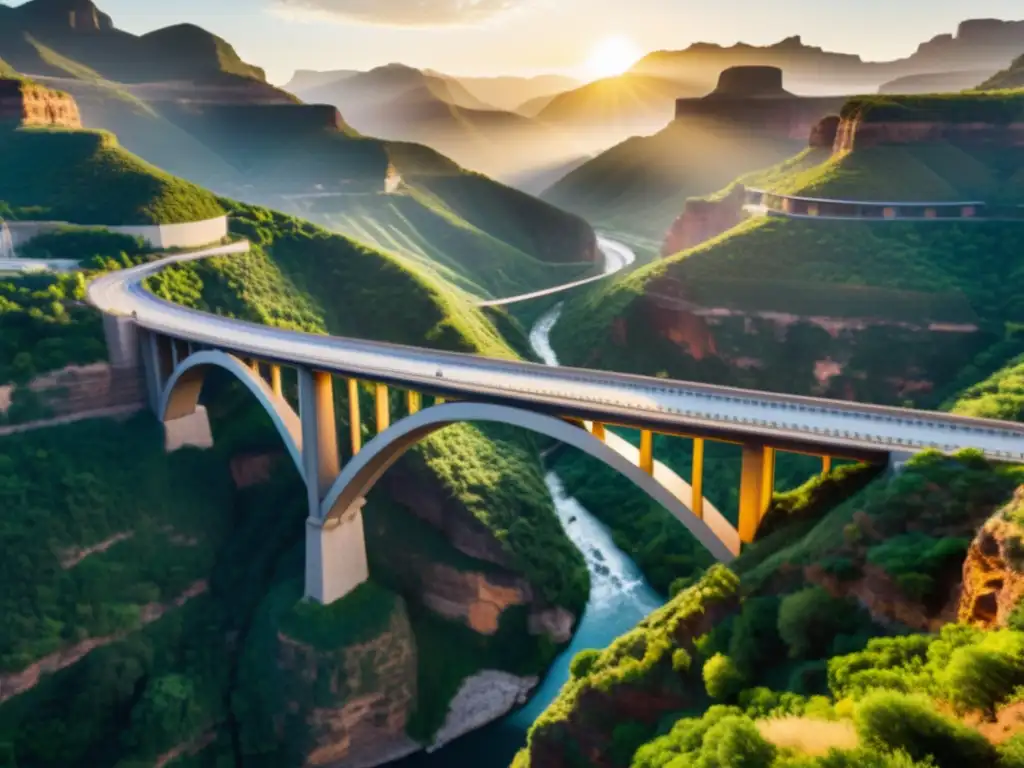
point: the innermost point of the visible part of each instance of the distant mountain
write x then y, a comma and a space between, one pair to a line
1011, 77
511, 93
935, 82
977, 45
83, 35
403, 103
304, 79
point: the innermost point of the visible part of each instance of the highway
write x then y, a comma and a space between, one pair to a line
786, 421
616, 258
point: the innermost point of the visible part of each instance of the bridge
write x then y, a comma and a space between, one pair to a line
176, 347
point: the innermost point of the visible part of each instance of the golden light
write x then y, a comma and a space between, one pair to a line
612, 56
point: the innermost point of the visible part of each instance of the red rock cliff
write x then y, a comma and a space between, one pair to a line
702, 220
23, 103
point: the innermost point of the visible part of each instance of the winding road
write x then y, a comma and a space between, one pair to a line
789, 422
616, 258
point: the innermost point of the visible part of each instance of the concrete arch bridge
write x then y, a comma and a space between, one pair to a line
177, 347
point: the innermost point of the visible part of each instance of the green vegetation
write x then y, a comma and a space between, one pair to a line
1000, 396
641, 185
54, 174
1011, 77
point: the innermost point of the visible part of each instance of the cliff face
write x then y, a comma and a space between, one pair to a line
359, 715
702, 220
856, 132
25, 104
993, 584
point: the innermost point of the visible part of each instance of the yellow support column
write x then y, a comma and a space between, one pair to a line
697, 477
329, 465
275, 380
826, 465
597, 430
752, 493
768, 487
438, 401
383, 407
354, 419
647, 451
413, 401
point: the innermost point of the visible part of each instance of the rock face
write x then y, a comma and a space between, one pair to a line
474, 599
702, 220
484, 697
823, 135
372, 692
993, 583
750, 82
79, 15
25, 104
856, 132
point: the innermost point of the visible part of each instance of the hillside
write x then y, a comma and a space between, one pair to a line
511, 93
403, 103
1011, 77
54, 174
641, 185
833, 641
88, 37
935, 82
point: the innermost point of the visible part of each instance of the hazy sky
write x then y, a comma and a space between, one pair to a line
493, 36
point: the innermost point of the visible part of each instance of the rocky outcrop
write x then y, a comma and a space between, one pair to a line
25, 104
372, 691
750, 82
481, 699
823, 135
475, 599
702, 220
993, 582
857, 132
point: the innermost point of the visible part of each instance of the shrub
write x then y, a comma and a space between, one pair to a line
722, 679
866, 757
985, 675
681, 661
1011, 752
809, 619
755, 635
891, 720
735, 742
583, 662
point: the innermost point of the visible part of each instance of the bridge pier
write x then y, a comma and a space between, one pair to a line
336, 555
335, 548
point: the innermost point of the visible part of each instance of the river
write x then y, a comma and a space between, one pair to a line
619, 598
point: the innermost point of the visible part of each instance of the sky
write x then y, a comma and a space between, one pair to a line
487, 37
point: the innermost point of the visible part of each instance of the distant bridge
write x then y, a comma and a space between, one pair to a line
177, 347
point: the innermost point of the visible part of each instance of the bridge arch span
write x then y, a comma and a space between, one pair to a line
180, 395
377, 456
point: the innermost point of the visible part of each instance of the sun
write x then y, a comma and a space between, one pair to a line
612, 56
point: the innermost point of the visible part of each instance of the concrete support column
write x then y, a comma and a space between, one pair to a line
413, 402
335, 555
354, 419
319, 435
275, 381
757, 473
122, 337
897, 460
826, 465
697, 477
383, 407
647, 451
153, 368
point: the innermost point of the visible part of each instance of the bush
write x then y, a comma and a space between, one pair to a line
891, 720
583, 662
982, 676
735, 742
1011, 752
755, 636
722, 679
809, 619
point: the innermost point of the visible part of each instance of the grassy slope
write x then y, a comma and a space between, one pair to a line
1011, 77
641, 185
56, 173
